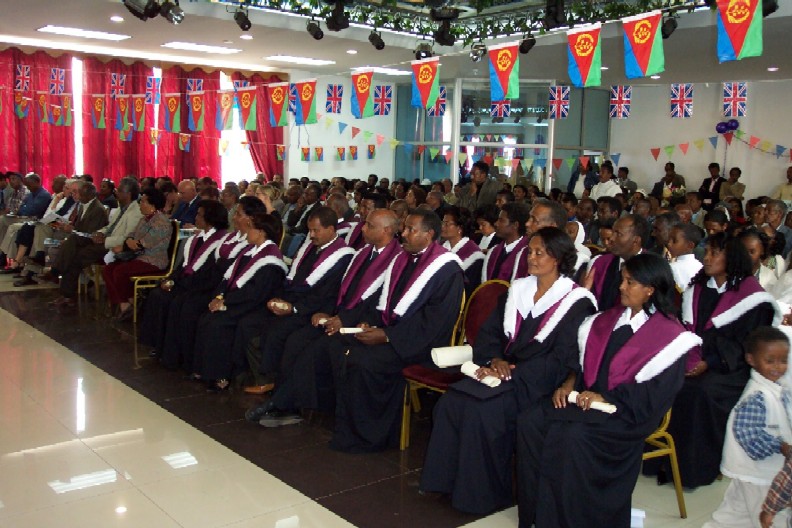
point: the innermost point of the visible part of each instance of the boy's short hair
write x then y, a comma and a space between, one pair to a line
717, 216
764, 334
691, 232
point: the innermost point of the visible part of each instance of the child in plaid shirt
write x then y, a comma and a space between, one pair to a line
757, 433
779, 496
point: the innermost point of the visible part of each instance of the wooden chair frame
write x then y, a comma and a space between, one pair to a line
144, 282
663, 443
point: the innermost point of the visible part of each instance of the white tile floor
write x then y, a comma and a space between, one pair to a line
79, 448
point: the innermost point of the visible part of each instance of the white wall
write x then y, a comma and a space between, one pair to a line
319, 135
769, 117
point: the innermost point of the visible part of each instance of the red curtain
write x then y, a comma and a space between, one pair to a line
105, 154
265, 138
28, 145
203, 158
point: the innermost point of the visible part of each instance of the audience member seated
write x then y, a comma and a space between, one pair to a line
457, 230
577, 234
188, 204
368, 203
757, 244
528, 345
33, 206
486, 218
501, 261
544, 213
144, 252
107, 194
578, 466
340, 206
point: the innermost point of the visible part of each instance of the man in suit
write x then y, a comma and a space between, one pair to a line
77, 252
188, 204
710, 187
776, 211
482, 190
297, 223
669, 183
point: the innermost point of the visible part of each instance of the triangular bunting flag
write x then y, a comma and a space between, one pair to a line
433, 152
380, 139
557, 163
408, 147
341, 127
570, 162
462, 158
739, 133
669, 150
753, 141
714, 141
764, 146
515, 162
421, 149
448, 155
367, 135
615, 157
393, 142
655, 152
699, 144
780, 151
728, 137
355, 132
222, 147
541, 162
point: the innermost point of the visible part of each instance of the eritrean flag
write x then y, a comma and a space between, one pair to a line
247, 106
172, 106
122, 112
66, 107
98, 110
739, 29
278, 94
643, 45
56, 115
353, 152
362, 101
43, 106
504, 72
319, 153
280, 150
184, 142
425, 82
139, 112
306, 102
126, 134
225, 104
305, 153
195, 114
21, 106
340, 153
585, 56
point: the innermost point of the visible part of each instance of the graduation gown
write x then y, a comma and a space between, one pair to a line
470, 451
418, 306
501, 265
246, 286
701, 409
472, 258
579, 468
607, 278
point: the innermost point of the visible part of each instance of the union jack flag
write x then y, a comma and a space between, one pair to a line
241, 84
559, 102
57, 81
682, 100
439, 108
292, 98
620, 101
22, 77
335, 94
383, 97
735, 96
117, 84
153, 90
194, 85
500, 108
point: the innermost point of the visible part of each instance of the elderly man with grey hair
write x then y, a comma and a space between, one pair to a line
33, 206
776, 211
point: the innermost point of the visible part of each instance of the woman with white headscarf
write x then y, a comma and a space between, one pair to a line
577, 233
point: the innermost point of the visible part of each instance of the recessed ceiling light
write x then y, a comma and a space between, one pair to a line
384, 71
604, 68
655, 77
84, 33
307, 61
189, 46
772, 69
246, 37
352, 52
121, 509
116, 18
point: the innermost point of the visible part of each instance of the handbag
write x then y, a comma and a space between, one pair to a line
128, 254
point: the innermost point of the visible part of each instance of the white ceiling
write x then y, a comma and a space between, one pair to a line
690, 52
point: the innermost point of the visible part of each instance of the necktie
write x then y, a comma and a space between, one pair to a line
373, 255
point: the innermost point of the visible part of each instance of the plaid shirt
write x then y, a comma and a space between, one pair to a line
15, 201
780, 491
750, 431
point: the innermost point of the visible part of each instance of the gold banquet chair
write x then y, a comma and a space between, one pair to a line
663, 443
144, 282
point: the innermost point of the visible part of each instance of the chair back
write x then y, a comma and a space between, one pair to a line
458, 322
173, 246
282, 236
481, 304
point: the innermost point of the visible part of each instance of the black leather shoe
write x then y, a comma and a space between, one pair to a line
25, 281
257, 413
278, 418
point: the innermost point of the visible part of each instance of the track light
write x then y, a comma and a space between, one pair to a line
172, 12
527, 44
337, 20
242, 20
477, 51
517, 117
669, 25
443, 34
315, 30
376, 40
423, 51
143, 9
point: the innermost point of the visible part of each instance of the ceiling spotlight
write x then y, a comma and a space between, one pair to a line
443, 35
769, 7
315, 30
172, 12
242, 20
476, 121
477, 51
527, 44
143, 9
669, 25
376, 40
338, 19
423, 51
517, 117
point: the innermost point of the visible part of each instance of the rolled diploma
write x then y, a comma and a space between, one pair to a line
322, 321
281, 305
451, 356
350, 330
469, 369
597, 406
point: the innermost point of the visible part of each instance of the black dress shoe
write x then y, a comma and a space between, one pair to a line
278, 418
25, 281
257, 413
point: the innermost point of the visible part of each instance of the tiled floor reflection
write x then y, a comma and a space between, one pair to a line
90, 436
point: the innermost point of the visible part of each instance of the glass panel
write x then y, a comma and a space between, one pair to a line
596, 120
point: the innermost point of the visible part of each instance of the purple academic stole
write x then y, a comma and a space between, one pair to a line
238, 271
229, 245
355, 237
334, 246
654, 335
505, 271
197, 252
545, 317
600, 268
424, 260
372, 273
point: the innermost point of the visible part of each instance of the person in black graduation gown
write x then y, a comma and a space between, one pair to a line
457, 229
528, 344
191, 283
305, 378
723, 305
419, 304
578, 466
247, 284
